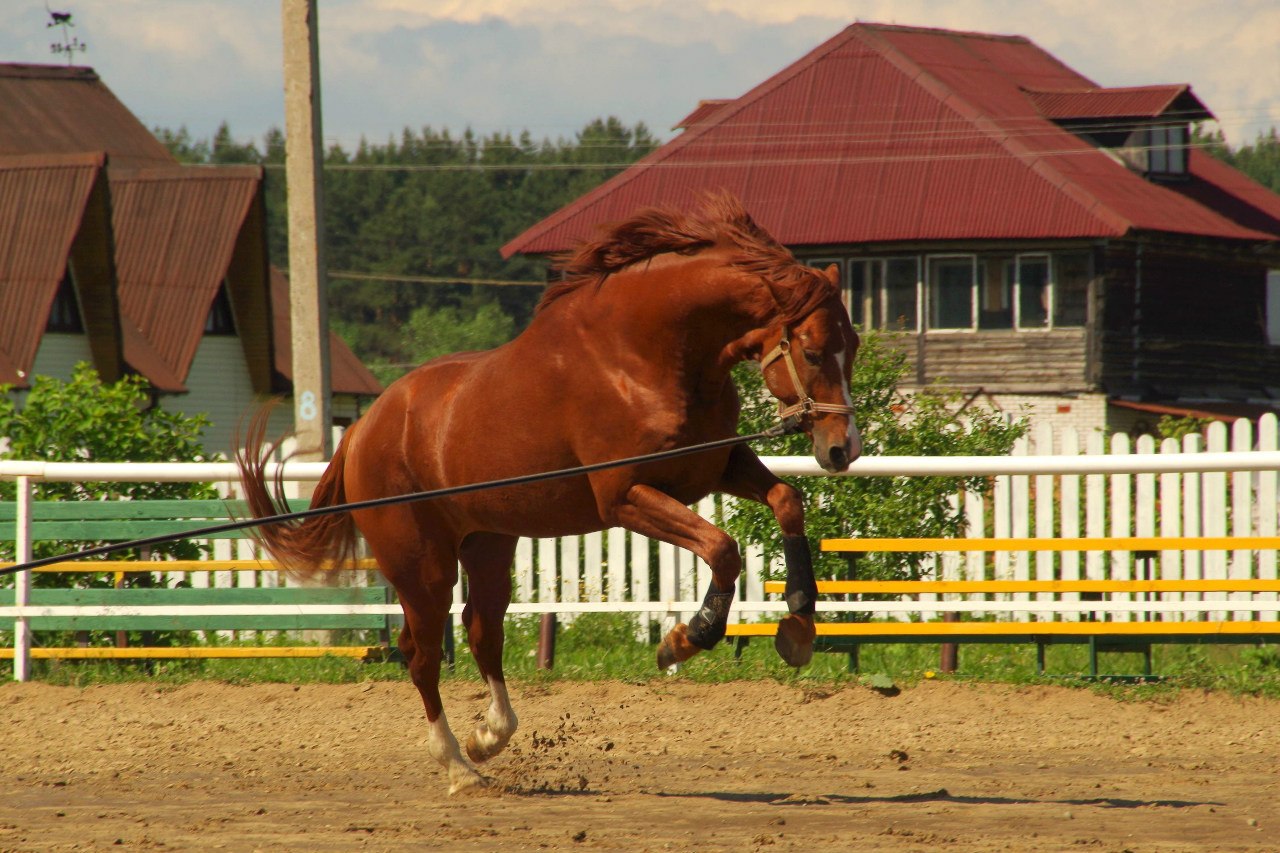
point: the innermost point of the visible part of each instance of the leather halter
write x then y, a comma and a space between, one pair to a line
805, 405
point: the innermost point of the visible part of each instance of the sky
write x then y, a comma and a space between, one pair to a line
551, 66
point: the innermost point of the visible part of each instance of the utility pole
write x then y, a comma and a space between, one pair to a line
308, 304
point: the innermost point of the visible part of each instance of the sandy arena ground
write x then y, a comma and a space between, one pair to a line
659, 766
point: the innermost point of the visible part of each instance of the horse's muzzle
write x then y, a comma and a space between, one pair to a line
837, 455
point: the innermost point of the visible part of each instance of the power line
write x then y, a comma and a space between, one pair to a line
432, 279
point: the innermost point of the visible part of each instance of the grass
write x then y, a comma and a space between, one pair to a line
605, 646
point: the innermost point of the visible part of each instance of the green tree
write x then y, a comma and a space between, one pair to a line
435, 332
1259, 160
892, 424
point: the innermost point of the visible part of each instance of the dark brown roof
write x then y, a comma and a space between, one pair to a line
50, 109
887, 133
347, 374
180, 232
176, 229
43, 202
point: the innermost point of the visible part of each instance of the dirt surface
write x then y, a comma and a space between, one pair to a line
659, 766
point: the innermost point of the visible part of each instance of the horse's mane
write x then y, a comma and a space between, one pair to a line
721, 221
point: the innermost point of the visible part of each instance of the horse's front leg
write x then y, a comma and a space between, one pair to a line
649, 512
747, 477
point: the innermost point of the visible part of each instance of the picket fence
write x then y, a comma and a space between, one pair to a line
1054, 485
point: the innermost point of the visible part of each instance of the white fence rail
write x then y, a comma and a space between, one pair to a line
1063, 485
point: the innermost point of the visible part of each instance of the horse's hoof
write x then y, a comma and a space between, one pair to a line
675, 647
469, 782
794, 640
478, 752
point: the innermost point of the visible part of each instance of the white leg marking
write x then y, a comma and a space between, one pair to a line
491, 735
443, 747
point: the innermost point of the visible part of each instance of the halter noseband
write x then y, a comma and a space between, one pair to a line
806, 404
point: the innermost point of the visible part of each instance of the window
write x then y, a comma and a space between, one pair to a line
882, 293
1167, 150
996, 275
901, 288
220, 320
951, 287
1033, 291
64, 314
989, 291
1071, 289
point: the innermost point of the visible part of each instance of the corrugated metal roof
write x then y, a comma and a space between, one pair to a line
50, 109
887, 133
347, 374
176, 228
1127, 102
42, 202
701, 112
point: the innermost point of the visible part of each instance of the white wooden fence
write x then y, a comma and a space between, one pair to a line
1064, 485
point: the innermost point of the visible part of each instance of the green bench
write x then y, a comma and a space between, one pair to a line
120, 521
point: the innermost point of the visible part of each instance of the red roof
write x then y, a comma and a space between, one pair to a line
887, 133
1130, 102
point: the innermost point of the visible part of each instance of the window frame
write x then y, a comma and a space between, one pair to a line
1050, 287
66, 314
221, 319
929, 295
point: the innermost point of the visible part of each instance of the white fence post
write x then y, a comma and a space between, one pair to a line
22, 583
1268, 486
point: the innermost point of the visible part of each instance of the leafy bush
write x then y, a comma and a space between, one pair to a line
86, 420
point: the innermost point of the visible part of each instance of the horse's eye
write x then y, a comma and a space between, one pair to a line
812, 357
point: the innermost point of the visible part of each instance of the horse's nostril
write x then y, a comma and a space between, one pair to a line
839, 459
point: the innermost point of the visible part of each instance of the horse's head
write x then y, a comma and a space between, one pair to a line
807, 365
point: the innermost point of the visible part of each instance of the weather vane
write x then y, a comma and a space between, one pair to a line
70, 44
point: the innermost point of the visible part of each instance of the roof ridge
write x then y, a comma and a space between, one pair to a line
910, 28
1104, 89
1032, 159
38, 70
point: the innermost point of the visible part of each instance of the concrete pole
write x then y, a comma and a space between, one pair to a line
308, 304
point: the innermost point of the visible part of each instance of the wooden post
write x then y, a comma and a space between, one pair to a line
950, 651
547, 642
304, 154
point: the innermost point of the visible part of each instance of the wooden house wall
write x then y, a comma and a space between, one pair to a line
1050, 362
1181, 321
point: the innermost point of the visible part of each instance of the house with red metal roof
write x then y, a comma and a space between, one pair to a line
1053, 244
114, 254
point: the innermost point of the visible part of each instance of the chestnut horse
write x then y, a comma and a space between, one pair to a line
630, 353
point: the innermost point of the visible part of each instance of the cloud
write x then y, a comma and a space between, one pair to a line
553, 65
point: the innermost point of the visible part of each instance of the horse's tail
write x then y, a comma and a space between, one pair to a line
303, 548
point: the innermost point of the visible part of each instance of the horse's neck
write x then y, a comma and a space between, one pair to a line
704, 323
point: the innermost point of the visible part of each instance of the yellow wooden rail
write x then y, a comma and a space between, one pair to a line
1101, 543
1046, 586
943, 630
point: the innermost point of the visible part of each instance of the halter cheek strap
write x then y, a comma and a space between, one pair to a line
805, 404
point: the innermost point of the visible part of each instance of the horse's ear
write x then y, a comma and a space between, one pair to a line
832, 272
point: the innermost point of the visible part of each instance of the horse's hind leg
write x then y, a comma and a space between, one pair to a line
424, 572
487, 560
